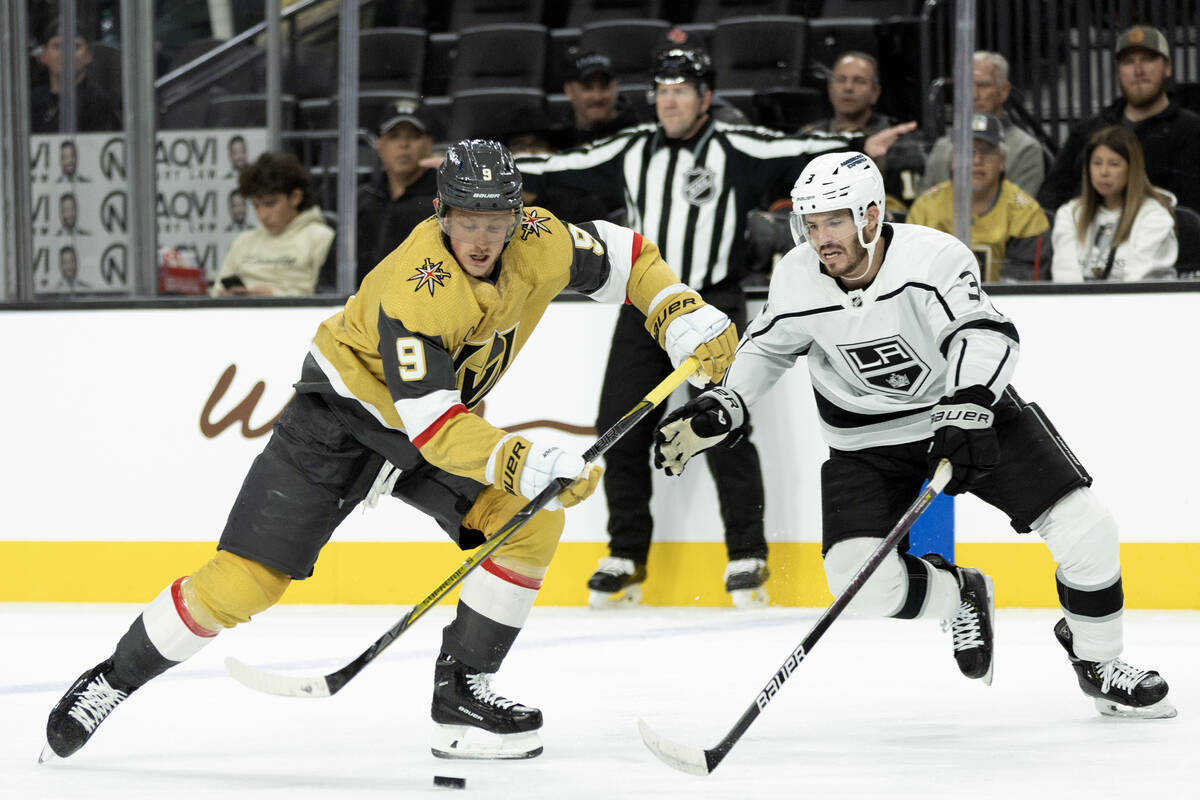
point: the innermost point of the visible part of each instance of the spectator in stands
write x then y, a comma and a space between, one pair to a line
68, 216
1169, 135
1025, 164
285, 255
96, 108
1008, 227
597, 107
1120, 227
400, 193
854, 89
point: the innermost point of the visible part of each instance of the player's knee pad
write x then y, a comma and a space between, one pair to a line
230, 589
529, 550
883, 593
1082, 537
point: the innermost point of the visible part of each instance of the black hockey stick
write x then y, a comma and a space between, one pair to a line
326, 685
695, 761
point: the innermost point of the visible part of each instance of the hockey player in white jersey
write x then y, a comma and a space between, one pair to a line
911, 363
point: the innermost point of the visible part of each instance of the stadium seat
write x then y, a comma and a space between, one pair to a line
500, 56
1187, 230
584, 12
105, 69
473, 13
481, 113
830, 37
630, 43
391, 58
759, 52
247, 110
714, 10
880, 9
564, 42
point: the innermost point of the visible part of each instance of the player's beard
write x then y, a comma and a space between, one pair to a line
850, 257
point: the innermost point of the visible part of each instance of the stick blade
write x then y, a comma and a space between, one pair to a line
274, 683
691, 760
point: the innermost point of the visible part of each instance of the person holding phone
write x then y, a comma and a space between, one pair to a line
284, 255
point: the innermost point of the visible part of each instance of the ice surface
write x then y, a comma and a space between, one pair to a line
877, 710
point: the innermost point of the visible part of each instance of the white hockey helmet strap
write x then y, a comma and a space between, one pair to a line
833, 181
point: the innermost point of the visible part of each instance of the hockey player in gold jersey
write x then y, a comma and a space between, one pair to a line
383, 407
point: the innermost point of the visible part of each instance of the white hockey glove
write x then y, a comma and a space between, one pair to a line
684, 325
521, 467
963, 435
716, 417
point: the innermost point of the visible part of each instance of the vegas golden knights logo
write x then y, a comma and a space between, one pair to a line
479, 365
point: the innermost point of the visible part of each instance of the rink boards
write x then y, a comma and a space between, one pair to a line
128, 433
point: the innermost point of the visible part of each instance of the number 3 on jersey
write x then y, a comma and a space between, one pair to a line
411, 355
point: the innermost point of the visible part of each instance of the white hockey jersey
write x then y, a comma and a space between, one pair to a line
880, 357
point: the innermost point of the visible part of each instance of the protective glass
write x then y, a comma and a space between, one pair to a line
822, 228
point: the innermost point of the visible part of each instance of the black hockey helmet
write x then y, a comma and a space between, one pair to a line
479, 175
682, 64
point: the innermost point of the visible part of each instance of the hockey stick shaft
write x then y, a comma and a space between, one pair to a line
699, 762
330, 684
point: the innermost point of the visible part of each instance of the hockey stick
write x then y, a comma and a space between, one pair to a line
326, 685
695, 761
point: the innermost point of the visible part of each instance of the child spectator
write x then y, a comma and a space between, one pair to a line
285, 255
1120, 227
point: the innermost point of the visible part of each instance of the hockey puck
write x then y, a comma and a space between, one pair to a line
453, 783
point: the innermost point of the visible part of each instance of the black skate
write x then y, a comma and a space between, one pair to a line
472, 721
80, 711
1119, 689
971, 626
616, 582
744, 579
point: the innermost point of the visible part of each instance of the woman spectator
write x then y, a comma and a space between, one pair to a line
1120, 228
285, 255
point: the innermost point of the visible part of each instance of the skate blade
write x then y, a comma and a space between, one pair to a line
47, 754
1160, 710
629, 596
991, 596
469, 742
750, 598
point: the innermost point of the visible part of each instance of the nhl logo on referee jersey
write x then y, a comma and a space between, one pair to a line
887, 365
700, 185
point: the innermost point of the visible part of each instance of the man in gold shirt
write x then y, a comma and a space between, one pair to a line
383, 406
1009, 230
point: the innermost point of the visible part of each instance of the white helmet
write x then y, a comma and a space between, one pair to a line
834, 181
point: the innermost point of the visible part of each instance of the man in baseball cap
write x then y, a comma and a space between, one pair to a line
1170, 135
400, 193
592, 88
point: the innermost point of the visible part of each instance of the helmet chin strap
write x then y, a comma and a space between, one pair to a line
870, 248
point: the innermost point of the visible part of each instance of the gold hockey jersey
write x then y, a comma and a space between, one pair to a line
422, 342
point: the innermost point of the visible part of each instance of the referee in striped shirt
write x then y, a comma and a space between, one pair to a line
687, 183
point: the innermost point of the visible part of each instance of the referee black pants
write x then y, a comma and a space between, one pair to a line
635, 365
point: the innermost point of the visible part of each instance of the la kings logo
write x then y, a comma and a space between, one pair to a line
887, 365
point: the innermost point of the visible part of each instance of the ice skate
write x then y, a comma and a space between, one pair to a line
80, 711
617, 582
745, 579
971, 625
472, 721
1119, 689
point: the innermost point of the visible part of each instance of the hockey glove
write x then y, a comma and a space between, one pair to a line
683, 324
963, 434
521, 467
716, 417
